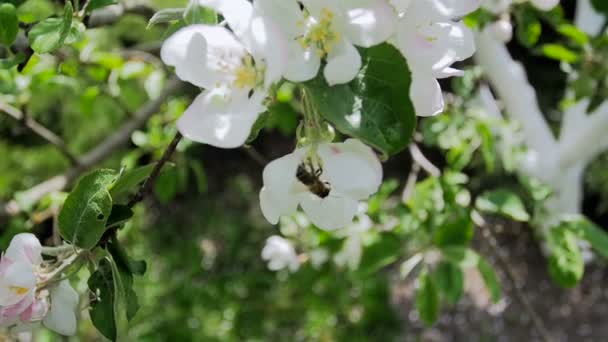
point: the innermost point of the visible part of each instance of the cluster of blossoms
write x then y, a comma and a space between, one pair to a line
28, 293
280, 252
262, 42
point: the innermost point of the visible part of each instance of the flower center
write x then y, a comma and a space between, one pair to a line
19, 290
247, 75
321, 35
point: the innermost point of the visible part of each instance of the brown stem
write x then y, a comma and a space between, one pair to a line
95, 156
40, 131
147, 185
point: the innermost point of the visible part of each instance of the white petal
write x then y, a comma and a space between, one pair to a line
435, 46
343, 63
302, 64
277, 197
370, 25
455, 8
286, 13
351, 168
203, 54
545, 5
425, 93
269, 45
221, 118
330, 212
448, 72
273, 206
62, 315
36, 311
18, 281
237, 13
25, 247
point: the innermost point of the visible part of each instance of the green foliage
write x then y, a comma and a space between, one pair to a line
383, 252
600, 6
372, 107
502, 202
450, 281
560, 53
427, 299
97, 4
101, 284
82, 220
9, 24
587, 230
128, 180
566, 265
528, 29
455, 232
50, 34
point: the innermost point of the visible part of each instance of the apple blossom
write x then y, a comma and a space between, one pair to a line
280, 254
329, 30
234, 67
431, 40
22, 302
351, 171
352, 249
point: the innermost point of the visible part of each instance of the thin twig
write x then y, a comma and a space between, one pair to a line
255, 155
39, 130
147, 185
408, 190
95, 156
504, 263
421, 160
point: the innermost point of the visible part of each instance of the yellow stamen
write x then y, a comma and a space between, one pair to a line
19, 290
321, 36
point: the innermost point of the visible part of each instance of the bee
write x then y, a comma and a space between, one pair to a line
307, 174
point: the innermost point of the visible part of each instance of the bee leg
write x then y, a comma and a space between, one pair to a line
319, 171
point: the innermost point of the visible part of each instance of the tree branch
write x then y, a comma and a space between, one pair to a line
584, 134
39, 130
96, 155
421, 160
509, 79
111, 14
147, 185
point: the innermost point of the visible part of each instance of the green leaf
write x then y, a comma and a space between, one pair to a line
560, 53
600, 6
10, 62
382, 253
82, 220
128, 180
566, 265
488, 151
456, 232
460, 255
119, 215
96, 4
123, 274
166, 15
101, 284
50, 34
574, 33
450, 281
528, 28
427, 299
9, 24
489, 278
587, 230
375, 106
502, 202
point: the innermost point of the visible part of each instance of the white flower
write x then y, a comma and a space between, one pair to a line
352, 249
22, 304
432, 41
62, 315
350, 171
330, 30
280, 254
235, 68
17, 274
